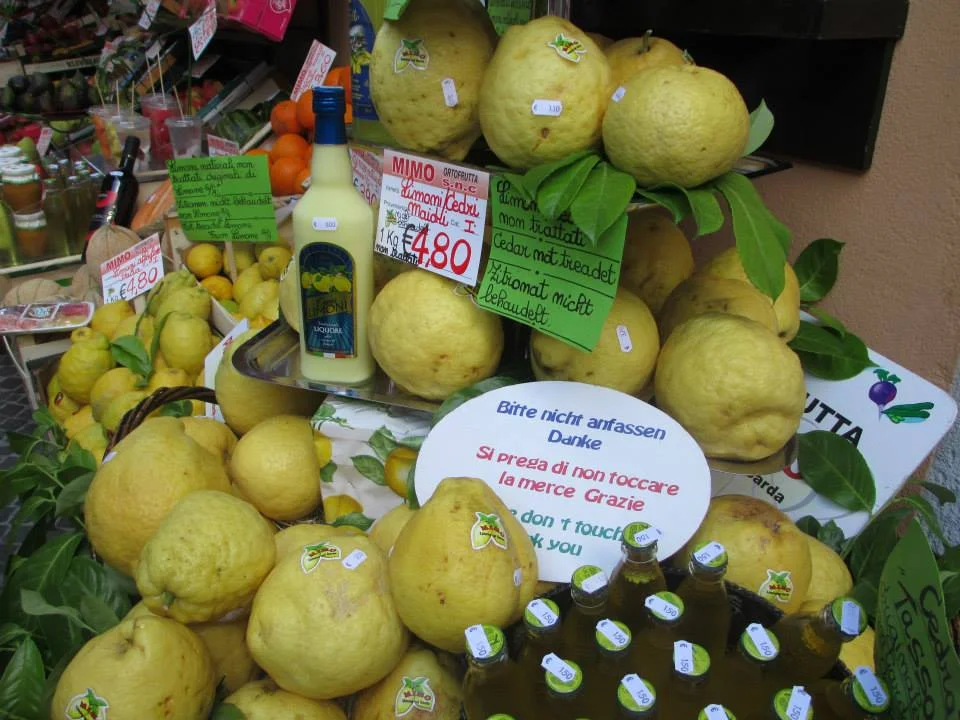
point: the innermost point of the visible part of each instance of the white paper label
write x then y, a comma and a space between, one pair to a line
716, 712
850, 618
872, 688
324, 223
638, 690
662, 607
709, 553
799, 705
558, 668
110, 456
43, 144
477, 642
623, 337
550, 108
612, 633
594, 582
542, 612
354, 559
758, 633
517, 577
314, 70
618, 94
221, 147
683, 657
449, 92
149, 13
133, 272
647, 537
202, 31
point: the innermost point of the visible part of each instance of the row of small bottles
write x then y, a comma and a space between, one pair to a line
69, 200
628, 648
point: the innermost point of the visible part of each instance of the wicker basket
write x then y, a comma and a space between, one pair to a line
154, 402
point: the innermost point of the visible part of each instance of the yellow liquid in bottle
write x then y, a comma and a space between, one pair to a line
704, 596
612, 660
489, 685
589, 591
653, 648
744, 681
686, 689
861, 697
541, 620
564, 699
636, 576
810, 643
333, 229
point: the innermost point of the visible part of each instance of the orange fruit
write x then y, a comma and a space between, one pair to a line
308, 155
288, 145
305, 116
283, 175
283, 118
303, 176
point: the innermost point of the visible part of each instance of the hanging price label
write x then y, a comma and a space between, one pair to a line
221, 147
716, 712
202, 31
314, 70
661, 607
709, 553
43, 143
133, 272
432, 215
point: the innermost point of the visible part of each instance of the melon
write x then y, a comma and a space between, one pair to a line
4, 285
107, 242
32, 290
81, 282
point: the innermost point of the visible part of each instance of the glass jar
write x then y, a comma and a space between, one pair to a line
59, 227
31, 232
12, 152
21, 186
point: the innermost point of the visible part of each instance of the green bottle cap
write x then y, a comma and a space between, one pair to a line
869, 692
664, 606
541, 614
690, 660
849, 616
710, 557
612, 636
591, 581
640, 536
636, 694
716, 712
485, 643
792, 704
500, 716
563, 677
759, 644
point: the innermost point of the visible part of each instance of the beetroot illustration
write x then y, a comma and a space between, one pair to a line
884, 390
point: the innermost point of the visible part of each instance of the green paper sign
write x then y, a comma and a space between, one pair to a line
914, 650
394, 9
505, 13
224, 198
546, 273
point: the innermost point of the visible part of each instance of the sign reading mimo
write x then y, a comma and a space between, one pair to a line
575, 463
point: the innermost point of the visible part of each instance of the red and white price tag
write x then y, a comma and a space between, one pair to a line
201, 32
315, 68
367, 173
220, 147
149, 13
432, 215
43, 142
133, 272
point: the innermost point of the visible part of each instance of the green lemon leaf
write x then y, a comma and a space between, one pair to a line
476, 390
832, 536
828, 320
760, 250
10, 633
327, 471
558, 191
706, 209
86, 577
354, 519
394, 9
779, 230
517, 182
816, 268
177, 408
33, 603
925, 510
70, 499
17, 481
535, 177
370, 467
412, 501
670, 199
47, 567
809, 524
761, 125
129, 352
21, 686
382, 442
943, 495
97, 614
836, 469
826, 355
868, 552
950, 581
603, 198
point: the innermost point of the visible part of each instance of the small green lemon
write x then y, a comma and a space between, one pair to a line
656, 257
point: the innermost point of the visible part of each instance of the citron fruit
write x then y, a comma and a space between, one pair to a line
263, 700
679, 124
171, 282
207, 558
829, 575
212, 435
324, 623
246, 401
191, 300
81, 335
418, 687
336, 506
79, 421
204, 260
275, 467
732, 384
704, 293
168, 378
431, 339
243, 257
629, 56
218, 286
273, 261
656, 257
425, 75
93, 438
295, 537
119, 406
106, 317
185, 341
290, 296
249, 278
454, 564
58, 403
146, 667
602, 41
787, 306
544, 93
256, 299
767, 553
139, 326
82, 365
110, 385
386, 529
154, 466
623, 358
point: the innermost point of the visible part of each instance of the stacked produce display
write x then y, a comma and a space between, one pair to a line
193, 541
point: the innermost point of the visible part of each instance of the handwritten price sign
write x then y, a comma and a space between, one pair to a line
432, 215
221, 147
133, 272
314, 70
202, 31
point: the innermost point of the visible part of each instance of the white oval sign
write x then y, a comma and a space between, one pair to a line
575, 463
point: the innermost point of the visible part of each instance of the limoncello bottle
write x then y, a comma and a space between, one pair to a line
686, 690
636, 576
541, 623
810, 643
792, 704
653, 649
704, 596
745, 682
589, 591
636, 698
564, 683
863, 696
612, 660
488, 684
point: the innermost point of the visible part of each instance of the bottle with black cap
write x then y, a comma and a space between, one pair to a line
118, 192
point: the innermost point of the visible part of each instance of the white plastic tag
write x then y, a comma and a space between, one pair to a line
638, 690
324, 223
477, 642
611, 632
799, 706
868, 681
542, 612
646, 537
618, 94
354, 559
850, 618
517, 577
550, 108
623, 336
558, 668
683, 657
758, 633
449, 92
594, 582
716, 712
662, 607
709, 553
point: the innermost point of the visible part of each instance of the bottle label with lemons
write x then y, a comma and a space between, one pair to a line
327, 294
487, 530
414, 694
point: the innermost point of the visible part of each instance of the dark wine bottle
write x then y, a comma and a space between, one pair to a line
118, 192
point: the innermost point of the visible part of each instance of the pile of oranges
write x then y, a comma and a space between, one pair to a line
289, 158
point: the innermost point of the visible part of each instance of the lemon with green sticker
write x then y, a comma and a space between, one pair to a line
420, 686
